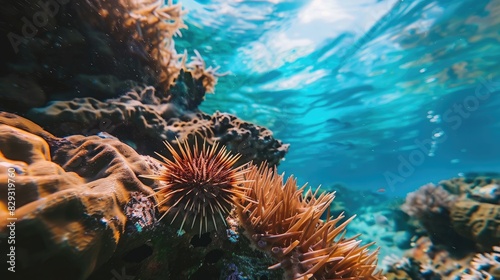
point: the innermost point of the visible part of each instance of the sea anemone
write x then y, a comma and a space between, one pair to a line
287, 224
200, 184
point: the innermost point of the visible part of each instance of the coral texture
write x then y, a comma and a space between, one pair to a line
427, 202
431, 206
94, 48
88, 63
147, 27
426, 261
143, 117
463, 218
485, 266
69, 219
287, 224
479, 187
477, 221
81, 207
462, 214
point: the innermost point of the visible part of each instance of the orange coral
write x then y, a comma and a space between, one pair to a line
280, 220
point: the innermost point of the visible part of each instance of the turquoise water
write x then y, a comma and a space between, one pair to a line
378, 95
376, 99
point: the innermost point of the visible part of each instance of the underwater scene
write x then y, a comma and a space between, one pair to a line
250, 139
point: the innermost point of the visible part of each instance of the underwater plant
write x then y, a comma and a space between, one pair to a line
287, 224
199, 184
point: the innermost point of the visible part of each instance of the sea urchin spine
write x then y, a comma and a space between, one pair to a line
285, 222
199, 183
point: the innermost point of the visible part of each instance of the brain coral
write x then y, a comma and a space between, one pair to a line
475, 212
69, 219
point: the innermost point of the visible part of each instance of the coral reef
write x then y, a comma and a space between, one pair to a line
427, 202
425, 261
82, 206
479, 187
467, 211
111, 66
476, 213
146, 28
479, 222
143, 117
92, 49
285, 223
67, 210
83, 213
485, 266
105, 79
431, 206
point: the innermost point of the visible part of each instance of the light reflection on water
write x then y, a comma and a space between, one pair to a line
351, 86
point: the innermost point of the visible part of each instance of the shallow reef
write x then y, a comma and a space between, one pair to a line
455, 227
83, 212
447, 230
143, 119
119, 175
70, 197
111, 67
87, 98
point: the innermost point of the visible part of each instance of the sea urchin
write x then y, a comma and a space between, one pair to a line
199, 184
286, 221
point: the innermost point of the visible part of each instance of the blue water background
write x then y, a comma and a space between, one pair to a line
352, 85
